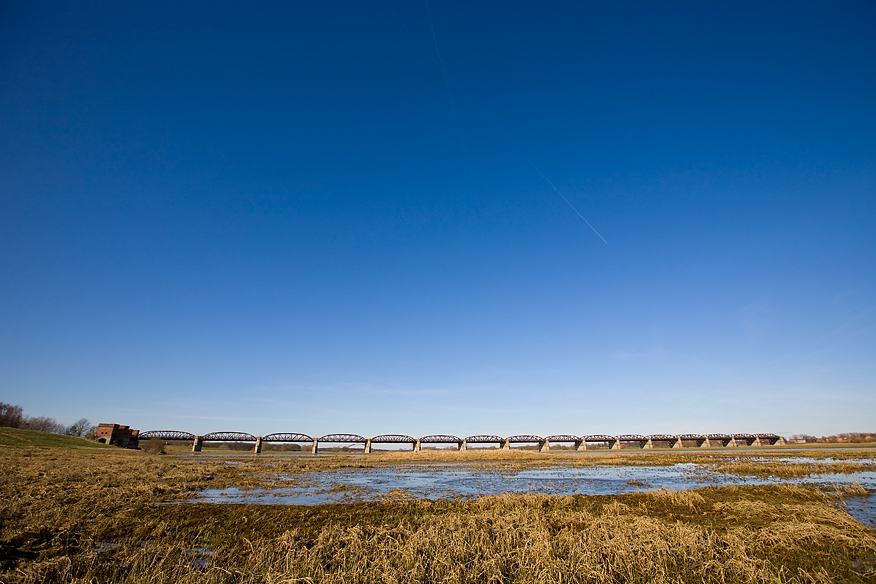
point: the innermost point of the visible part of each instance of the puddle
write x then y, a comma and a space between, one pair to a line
863, 509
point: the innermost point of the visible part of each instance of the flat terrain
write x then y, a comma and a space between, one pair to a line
73, 514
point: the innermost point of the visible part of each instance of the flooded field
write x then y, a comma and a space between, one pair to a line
457, 480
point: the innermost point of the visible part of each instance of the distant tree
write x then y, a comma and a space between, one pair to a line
11, 416
44, 424
79, 428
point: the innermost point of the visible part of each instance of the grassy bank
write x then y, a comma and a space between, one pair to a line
21, 437
75, 515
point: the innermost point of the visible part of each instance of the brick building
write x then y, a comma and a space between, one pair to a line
117, 434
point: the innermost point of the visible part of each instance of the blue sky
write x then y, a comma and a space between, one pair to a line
283, 218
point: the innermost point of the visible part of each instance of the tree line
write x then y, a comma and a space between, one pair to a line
13, 417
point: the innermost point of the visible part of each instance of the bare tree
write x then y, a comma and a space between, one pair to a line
11, 416
79, 428
44, 424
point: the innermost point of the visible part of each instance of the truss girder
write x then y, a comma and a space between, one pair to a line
663, 437
393, 439
440, 439
484, 439
287, 437
228, 437
599, 438
692, 436
525, 438
632, 438
563, 438
343, 438
166, 435
719, 436
744, 436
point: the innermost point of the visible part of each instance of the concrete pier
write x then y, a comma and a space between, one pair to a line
580, 445
706, 444
544, 446
258, 446
676, 444
417, 445
614, 444
197, 444
463, 445
368, 446
314, 449
648, 445
505, 444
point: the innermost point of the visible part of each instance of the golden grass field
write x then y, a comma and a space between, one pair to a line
80, 514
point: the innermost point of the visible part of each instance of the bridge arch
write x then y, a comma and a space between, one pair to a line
228, 437
165, 435
291, 438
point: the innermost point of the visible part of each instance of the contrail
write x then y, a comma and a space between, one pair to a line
562, 196
444, 71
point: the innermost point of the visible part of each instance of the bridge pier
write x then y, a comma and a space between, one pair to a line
731, 443
463, 445
314, 449
676, 444
706, 444
648, 445
367, 446
417, 445
544, 446
505, 444
580, 445
197, 444
258, 446
614, 444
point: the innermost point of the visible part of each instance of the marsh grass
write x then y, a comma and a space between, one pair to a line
83, 516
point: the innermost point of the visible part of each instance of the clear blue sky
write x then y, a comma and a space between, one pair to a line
215, 216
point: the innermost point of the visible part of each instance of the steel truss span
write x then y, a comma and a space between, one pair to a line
228, 437
663, 437
440, 439
632, 438
599, 438
563, 438
525, 438
484, 439
343, 438
165, 435
393, 439
287, 437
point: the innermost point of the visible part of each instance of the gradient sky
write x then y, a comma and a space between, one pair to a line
283, 218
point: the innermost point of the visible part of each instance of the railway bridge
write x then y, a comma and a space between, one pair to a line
579, 443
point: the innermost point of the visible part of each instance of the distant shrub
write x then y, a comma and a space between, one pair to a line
153, 446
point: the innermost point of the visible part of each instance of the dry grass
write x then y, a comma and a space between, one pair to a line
79, 516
